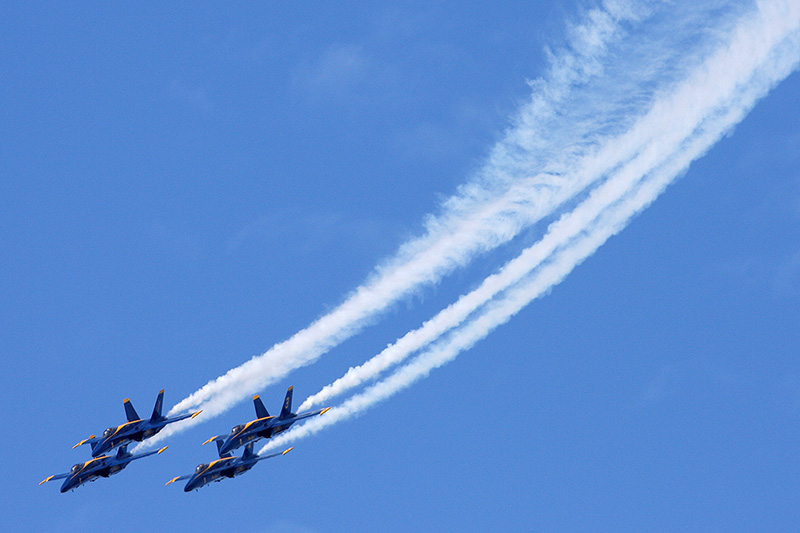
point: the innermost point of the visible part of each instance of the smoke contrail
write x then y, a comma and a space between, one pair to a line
763, 49
594, 90
554, 150
683, 114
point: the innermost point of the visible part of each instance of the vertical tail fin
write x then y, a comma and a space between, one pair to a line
130, 412
220, 442
261, 411
286, 411
248, 451
122, 452
157, 408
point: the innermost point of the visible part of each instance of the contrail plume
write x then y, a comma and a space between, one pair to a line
689, 107
581, 126
763, 49
521, 183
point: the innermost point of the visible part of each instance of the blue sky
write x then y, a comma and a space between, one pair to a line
185, 186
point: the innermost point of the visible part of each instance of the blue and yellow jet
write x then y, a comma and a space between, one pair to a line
104, 466
264, 426
135, 429
227, 466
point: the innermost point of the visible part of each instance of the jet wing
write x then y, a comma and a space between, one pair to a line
49, 478
179, 478
284, 452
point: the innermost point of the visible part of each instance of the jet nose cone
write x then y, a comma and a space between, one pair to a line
68, 485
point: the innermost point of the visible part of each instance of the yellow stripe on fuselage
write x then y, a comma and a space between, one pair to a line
87, 463
214, 463
247, 426
119, 428
221, 460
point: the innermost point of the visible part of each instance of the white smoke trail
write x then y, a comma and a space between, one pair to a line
522, 183
688, 107
763, 50
578, 95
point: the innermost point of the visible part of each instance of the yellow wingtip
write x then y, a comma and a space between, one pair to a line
161, 391
173, 480
287, 451
162, 449
209, 440
126, 400
197, 413
291, 388
324, 410
45, 480
84, 441
256, 397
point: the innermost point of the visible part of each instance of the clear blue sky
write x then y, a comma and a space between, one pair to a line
185, 185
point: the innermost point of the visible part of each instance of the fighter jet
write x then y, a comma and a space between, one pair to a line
104, 466
227, 466
264, 426
135, 429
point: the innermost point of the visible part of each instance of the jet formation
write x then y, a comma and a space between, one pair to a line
135, 429
105, 463
227, 466
264, 426
103, 466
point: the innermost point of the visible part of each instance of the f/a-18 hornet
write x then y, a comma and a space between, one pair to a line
135, 429
227, 466
264, 426
104, 466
